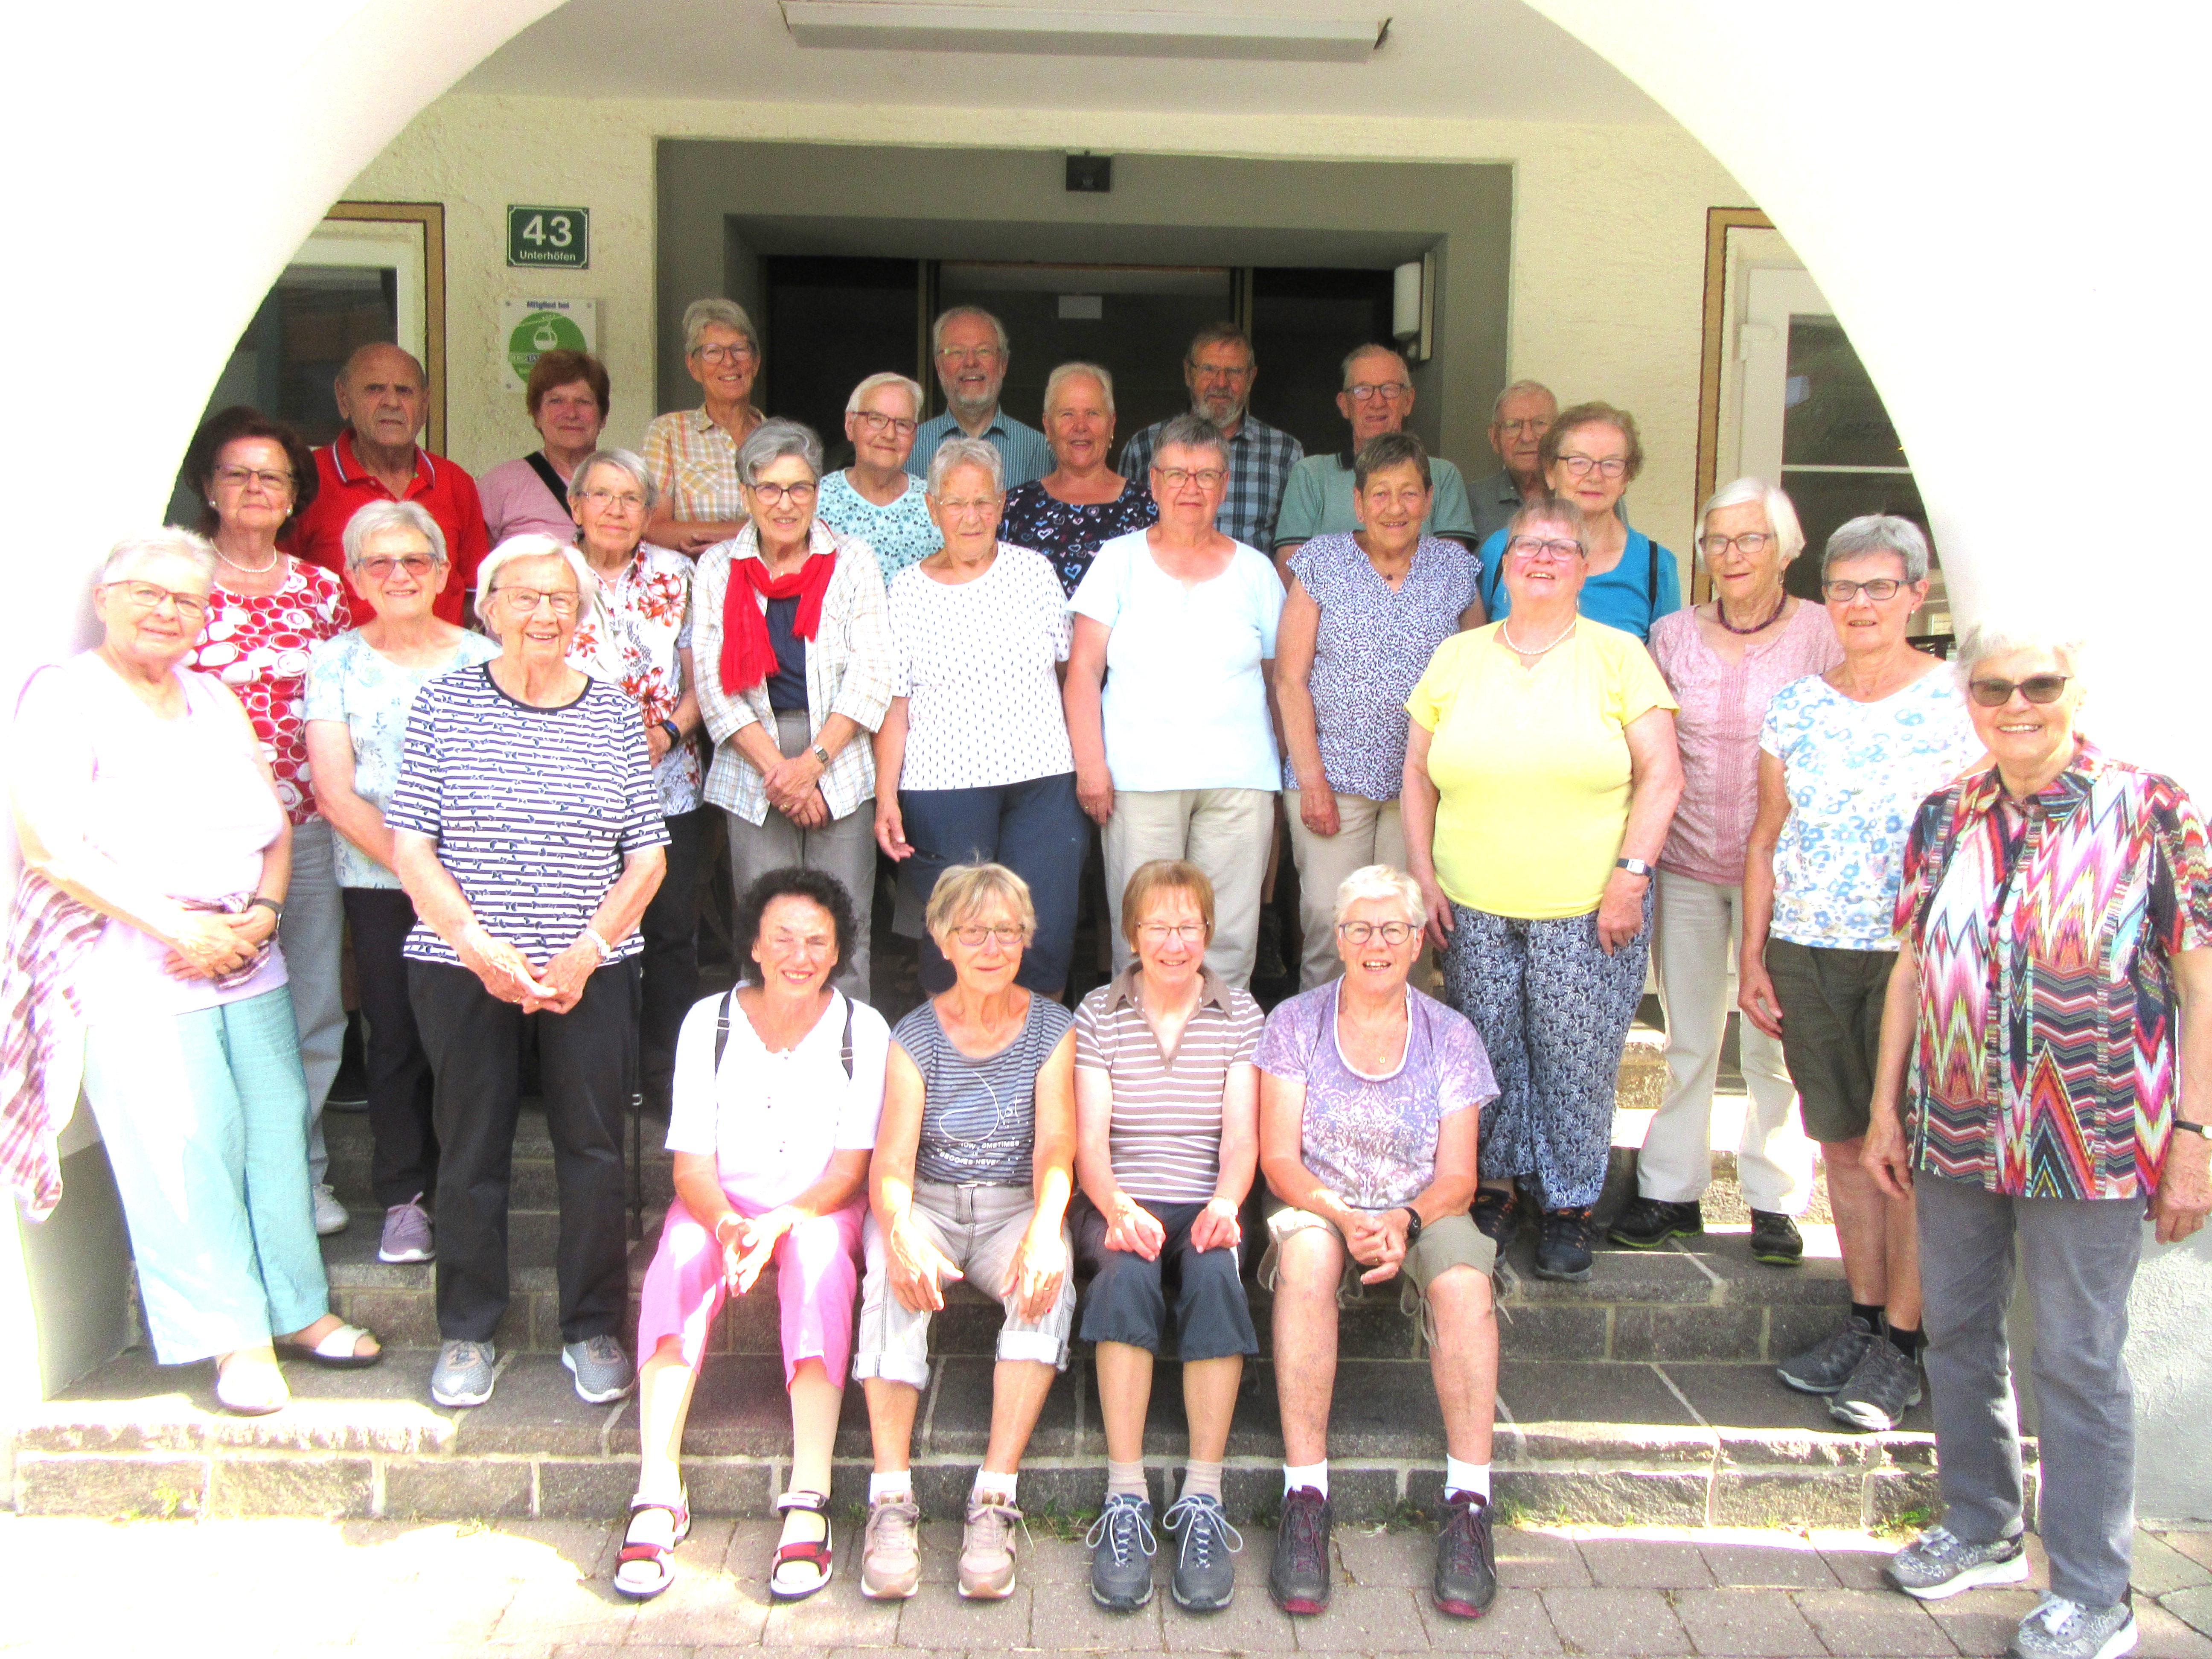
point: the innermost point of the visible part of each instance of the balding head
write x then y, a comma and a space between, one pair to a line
1377, 395
384, 395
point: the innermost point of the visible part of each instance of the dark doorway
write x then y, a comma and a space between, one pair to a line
830, 324
1303, 323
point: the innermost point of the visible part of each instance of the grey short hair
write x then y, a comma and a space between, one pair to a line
170, 542
1877, 532
955, 452
1550, 509
1189, 432
1498, 403
2001, 636
1781, 514
623, 460
998, 328
1376, 349
1067, 372
534, 545
772, 439
377, 517
715, 312
877, 382
1382, 881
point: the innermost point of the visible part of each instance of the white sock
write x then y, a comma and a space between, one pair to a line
1466, 1477
1000, 1486
1306, 1474
883, 1488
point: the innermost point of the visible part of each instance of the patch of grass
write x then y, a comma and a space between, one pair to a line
1905, 1523
1055, 1521
1406, 1515
1510, 1512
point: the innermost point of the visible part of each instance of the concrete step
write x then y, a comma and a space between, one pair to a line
1613, 1442
532, 1183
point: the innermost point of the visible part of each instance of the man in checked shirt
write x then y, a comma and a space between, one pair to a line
1219, 369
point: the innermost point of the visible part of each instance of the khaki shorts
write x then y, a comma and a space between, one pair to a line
1451, 1241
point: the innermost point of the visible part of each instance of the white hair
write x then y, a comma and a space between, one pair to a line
170, 542
377, 517
623, 460
1498, 403
1877, 532
998, 329
1382, 881
771, 441
715, 312
911, 386
956, 452
1781, 514
2000, 636
533, 544
1067, 372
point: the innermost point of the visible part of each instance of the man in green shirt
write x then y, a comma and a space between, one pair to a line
1377, 397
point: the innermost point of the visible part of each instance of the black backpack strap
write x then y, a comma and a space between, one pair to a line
543, 469
845, 1048
1651, 585
722, 1026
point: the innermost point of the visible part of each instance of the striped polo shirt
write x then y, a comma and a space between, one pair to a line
1164, 1140
533, 809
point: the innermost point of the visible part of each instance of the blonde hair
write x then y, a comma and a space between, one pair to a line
965, 889
1165, 876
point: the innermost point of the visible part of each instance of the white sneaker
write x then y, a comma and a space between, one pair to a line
331, 1216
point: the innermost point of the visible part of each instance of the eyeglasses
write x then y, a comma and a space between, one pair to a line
149, 596
1534, 426
1390, 390
627, 500
237, 478
739, 353
1536, 548
1175, 478
2036, 688
381, 566
1392, 932
799, 494
1159, 933
524, 601
962, 509
875, 425
967, 354
1581, 466
1216, 371
1751, 543
973, 933
1880, 589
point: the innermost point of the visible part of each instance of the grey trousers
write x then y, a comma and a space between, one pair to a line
312, 937
2079, 1256
844, 847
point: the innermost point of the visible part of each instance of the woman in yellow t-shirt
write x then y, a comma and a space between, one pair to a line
1540, 778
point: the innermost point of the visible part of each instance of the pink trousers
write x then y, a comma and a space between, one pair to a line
817, 1273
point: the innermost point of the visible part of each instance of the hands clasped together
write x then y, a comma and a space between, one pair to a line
511, 976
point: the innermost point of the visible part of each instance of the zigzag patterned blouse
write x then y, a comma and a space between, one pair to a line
2046, 1053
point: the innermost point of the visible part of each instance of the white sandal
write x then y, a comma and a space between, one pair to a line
233, 1393
814, 1553
338, 1351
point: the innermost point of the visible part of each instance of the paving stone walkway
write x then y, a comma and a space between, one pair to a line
539, 1590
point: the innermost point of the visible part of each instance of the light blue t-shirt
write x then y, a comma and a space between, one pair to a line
347, 681
1186, 699
899, 535
1622, 597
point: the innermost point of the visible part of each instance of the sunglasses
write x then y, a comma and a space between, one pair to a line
2036, 688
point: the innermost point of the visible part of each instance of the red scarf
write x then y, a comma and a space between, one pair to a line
748, 653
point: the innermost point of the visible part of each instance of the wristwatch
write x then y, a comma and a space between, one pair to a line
1412, 1226
1634, 866
822, 754
274, 907
675, 735
2193, 1128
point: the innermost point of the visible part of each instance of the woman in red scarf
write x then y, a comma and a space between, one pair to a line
793, 645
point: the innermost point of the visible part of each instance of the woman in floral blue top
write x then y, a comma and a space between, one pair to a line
1845, 759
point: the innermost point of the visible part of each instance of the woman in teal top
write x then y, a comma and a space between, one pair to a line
1589, 457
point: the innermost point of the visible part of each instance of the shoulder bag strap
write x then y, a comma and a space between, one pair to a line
551, 479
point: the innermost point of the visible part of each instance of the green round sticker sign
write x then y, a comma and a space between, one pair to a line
540, 332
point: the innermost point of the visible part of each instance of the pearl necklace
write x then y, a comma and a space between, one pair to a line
251, 569
1505, 633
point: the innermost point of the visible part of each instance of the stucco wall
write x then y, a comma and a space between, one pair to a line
1608, 257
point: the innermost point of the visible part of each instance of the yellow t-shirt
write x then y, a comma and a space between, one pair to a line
1532, 766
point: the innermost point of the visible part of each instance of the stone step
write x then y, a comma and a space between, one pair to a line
531, 1181
1619, 1443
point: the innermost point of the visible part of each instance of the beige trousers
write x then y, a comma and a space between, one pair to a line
1367, 832
1225, 833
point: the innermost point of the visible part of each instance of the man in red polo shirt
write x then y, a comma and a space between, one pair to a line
383, 399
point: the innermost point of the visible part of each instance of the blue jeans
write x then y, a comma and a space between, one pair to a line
205, 1117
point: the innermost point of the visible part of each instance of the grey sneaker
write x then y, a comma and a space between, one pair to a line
331, 1216
464, 1373
2061, 1629
601, 1369
407, 1236
1828, 1363
1204, 1575
987, 1550
1938, 1563
1122, 1546
891, 1551
1876, 1396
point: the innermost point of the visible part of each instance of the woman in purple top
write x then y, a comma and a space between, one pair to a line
1082, 503
1724, 661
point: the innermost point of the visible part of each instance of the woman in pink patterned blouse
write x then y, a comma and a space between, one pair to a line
1723, 660
640, 637
267, 610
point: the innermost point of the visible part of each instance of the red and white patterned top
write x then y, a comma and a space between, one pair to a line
647, 620
256, 644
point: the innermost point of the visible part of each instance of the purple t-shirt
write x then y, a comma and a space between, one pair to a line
1373, 1140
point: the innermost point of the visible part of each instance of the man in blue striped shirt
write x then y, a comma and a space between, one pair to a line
969, 346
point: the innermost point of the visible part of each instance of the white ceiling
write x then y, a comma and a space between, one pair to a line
1467, 59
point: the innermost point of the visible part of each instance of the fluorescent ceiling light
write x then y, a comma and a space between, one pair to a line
899, 26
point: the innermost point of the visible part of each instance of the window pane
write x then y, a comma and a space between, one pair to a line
1832, 415
1826, 499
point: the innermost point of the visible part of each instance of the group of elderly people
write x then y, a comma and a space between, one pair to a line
1970, 945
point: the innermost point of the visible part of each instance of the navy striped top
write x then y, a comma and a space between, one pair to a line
533, 809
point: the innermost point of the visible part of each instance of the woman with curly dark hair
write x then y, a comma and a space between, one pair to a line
778, 1085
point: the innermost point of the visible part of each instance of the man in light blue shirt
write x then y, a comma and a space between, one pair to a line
970, 348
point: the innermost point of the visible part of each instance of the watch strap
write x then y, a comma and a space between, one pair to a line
2184, 1125
821, 754
1634, 866
274, 907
